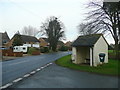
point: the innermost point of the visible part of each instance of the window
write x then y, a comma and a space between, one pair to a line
4, 41
23, 48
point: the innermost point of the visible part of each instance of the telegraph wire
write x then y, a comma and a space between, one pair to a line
21, 7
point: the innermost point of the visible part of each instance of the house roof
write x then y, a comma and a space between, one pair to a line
45, 39
5, 37
26, 38
86, 40
60, 43
68, 43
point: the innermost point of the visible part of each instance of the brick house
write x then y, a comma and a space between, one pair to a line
60, 44
44, 42
68, 44
4, 39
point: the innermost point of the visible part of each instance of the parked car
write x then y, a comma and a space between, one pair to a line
3, 48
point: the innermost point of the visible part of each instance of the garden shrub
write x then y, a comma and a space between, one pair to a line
32, 49
63, 48
44, 49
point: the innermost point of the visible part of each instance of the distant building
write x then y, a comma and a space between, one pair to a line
60, 44
68, 44
44, 42
5, 39
29, 41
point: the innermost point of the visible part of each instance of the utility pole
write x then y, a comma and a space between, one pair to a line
0, 46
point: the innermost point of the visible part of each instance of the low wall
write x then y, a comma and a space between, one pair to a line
36, 53
9, 52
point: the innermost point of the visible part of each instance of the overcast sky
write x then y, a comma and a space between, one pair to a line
15, 14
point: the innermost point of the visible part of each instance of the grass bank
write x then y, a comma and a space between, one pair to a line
110, 68
112, 54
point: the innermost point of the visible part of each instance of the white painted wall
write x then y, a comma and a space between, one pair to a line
74, 54
28, 45
91, 57
100, 47
36, 45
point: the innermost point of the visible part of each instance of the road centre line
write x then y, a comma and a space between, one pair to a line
33, 72
16, 80
7, 85
26, 75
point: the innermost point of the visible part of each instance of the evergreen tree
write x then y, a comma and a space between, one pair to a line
17, 40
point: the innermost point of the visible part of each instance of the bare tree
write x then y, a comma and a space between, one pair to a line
105, 18
86, 29
32, 31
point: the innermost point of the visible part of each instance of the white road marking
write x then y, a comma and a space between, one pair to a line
27, 75
38, 69
17, 80
50, 63
41, 67
7, 85
46, 65
33, 72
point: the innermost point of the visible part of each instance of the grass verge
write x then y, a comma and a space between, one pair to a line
110, 68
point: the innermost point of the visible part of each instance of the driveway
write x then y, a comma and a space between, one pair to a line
14, 69
59, 77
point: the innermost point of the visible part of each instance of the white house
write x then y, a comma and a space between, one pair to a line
29, 41
86, 49
23, 49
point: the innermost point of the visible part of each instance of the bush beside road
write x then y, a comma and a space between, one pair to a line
111, 54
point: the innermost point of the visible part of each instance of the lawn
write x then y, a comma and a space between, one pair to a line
110, 51
110, 68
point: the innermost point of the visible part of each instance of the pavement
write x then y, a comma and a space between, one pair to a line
17, 68
5, 58
59, 77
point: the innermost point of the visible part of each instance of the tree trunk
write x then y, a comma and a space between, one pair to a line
116, 50
54, 46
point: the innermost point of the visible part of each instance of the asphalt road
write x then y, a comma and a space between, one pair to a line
55, 76
16, 68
